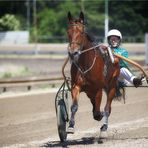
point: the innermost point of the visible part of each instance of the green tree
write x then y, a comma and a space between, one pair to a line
129, 16
54, 22
9, 22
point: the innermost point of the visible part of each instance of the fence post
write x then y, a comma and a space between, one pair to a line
28, 87
4, 89
146, 49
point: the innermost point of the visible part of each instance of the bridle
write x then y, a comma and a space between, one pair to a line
74, 42
74, 56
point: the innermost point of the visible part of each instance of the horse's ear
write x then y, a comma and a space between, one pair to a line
81, 17
69, 16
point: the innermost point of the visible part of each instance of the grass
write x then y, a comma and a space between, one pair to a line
19, 72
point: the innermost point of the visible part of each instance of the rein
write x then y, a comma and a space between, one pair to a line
85, 71
81, 52
94, 60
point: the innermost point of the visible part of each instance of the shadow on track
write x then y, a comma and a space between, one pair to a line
82, 141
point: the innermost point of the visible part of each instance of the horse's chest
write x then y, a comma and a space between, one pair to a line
94, 82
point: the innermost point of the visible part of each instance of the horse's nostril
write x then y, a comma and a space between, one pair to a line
74, 56
75, 53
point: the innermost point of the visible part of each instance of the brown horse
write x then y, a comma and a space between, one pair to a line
91, 71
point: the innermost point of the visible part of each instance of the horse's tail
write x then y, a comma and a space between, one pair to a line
120, 92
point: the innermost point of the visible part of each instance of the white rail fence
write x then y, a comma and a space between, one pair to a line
40, 80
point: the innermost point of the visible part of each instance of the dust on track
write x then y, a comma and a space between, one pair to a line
30, 121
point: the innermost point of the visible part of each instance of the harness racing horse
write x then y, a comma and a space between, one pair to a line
91, 72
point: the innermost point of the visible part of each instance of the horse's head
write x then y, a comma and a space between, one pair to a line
75, 35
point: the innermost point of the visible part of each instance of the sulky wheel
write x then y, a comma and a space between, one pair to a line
61, 121
61, 105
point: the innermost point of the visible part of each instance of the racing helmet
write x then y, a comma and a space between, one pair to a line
114, 32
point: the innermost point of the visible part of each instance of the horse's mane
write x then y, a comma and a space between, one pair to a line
90, 37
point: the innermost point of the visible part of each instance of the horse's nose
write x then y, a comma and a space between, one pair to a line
74, 55
73, 50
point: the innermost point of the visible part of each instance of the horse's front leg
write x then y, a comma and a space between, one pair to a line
97, 114
74, 107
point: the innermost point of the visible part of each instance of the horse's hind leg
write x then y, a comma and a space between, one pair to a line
111, 90
107, 109
74, 107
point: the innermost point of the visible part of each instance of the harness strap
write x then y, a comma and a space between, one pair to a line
85, 71
90, 48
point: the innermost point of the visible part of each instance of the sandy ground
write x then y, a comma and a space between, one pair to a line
29, 120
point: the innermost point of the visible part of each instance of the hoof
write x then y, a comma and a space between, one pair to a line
98, 116
70, 130
104, 128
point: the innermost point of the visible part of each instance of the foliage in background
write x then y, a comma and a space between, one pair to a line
129, 16
9, 23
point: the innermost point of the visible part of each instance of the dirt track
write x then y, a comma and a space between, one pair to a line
30, 121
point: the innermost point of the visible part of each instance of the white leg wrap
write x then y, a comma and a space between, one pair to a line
105, 116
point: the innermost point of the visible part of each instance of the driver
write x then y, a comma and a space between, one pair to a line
114, 38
